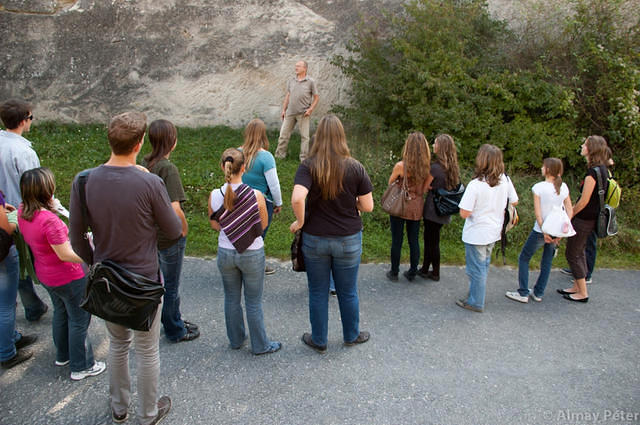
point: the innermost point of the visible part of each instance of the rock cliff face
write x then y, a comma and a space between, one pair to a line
195, 62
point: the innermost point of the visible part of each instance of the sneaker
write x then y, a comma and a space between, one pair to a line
21, 356
64, 363
393, 277
534, 296
164, 405
119, 418
275, 346
517, 297
190, 335
306, 338
96, 369
588, 280
363, 337
566, 271
463, 304
410, 276
25, 341
269, 270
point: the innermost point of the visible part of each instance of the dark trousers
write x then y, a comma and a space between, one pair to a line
431, 247
413, 233
575, 252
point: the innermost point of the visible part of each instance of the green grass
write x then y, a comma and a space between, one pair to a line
68, 149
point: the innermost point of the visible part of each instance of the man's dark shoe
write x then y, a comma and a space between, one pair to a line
21, 356
306, 338
190, 335
190, 325
423, 273
410, 276
363, 337
393, 277
432, 276
46, 308
119, 418
25, 341
164, 405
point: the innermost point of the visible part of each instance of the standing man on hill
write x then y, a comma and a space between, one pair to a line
16, 157
125, 208
299, 102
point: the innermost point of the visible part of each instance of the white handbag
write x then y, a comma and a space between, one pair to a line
558, 224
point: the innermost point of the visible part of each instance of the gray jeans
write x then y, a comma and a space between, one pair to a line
147, 348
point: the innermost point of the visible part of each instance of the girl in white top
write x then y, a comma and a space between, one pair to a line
482, 206
550, 193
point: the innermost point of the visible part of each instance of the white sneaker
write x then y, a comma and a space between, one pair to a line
96, 369
517, 297
62, 363
534, 297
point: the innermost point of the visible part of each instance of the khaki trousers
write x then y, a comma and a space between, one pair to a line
288, 124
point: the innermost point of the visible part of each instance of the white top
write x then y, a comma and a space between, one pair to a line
217, 199
548, 199
487, 205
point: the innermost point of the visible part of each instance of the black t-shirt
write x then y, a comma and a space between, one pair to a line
334, 217
591, 211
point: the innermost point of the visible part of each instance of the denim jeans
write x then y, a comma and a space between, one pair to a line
270, 214
533, 243
33, 305
591, 252
478, 259
413, 233
70, 324
170, 260
9, 272
238, 270
337, 256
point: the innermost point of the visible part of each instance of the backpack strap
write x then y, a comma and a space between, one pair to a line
600, 187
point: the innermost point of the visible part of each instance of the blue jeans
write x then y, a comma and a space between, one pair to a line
70, 324
478, 259
337, 256
533, 243
413, 233
238, 270
591, 252
33, 305
9, 273
269, 204
170, 260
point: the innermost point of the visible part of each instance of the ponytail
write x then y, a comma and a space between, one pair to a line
554, 168
232, 161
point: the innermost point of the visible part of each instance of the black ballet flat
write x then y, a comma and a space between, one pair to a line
563, 292
570, 298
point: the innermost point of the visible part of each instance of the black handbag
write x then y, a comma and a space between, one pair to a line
122, 297
606, 224
297, 258
446, 201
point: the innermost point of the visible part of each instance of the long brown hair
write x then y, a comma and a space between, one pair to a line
447, 157
37, 186
232, 161
597, 151
553, 167
329, 156
255, 138
489, 165
162, 136
416, 158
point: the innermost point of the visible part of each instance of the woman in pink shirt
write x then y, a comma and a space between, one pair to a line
59, 270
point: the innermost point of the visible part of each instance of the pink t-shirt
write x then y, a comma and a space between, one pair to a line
44, 230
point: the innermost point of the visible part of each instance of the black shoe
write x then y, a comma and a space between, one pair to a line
393, 277
21, 356
190, 325
361, 339
119, 418
164, 405
46, 308
423, 274
25, 341
190, 335
410, 276
306, 338
432, 276
563, 292
581, 300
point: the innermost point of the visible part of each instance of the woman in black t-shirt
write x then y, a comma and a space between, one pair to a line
585, 213
335, 187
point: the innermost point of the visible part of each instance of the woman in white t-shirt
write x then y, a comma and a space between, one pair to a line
482, 206
547, 195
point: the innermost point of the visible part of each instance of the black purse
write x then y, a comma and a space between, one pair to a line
446, 201
297, 258
119, 296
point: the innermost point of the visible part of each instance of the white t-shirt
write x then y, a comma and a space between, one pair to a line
548, 199
217, 199
487, 205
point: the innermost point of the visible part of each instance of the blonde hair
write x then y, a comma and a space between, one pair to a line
416, 158
489, 165
553, 167
598, 152
329, 156
255, 138
37, 186
447, 157
232, 161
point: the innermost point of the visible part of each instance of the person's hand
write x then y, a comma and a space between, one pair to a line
307, 112
282, 115
9, 207
547, 238
276, 210
295, 226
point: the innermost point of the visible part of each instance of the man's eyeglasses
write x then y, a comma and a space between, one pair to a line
30, 117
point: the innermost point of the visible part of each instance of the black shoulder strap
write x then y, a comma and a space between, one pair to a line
83, 176
600, 187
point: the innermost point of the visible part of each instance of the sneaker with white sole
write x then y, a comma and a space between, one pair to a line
96, 369
534, 296
517, 297
566, 271
59, 363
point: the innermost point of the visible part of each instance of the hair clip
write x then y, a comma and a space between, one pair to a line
229, 159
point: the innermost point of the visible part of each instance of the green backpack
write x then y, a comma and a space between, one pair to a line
613, 192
